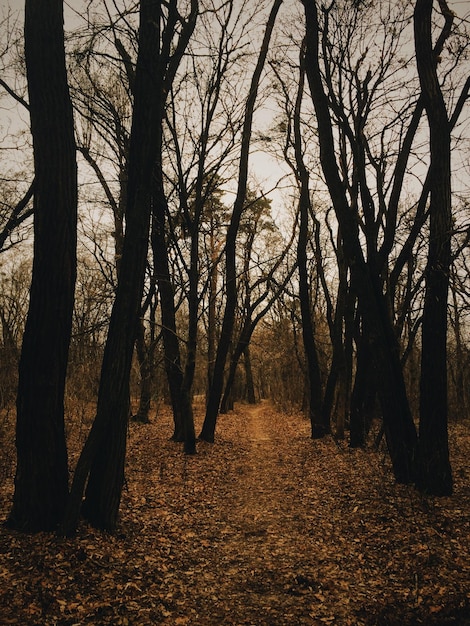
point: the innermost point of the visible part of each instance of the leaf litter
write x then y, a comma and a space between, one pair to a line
264, 527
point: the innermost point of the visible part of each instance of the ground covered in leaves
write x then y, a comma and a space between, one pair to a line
264, 527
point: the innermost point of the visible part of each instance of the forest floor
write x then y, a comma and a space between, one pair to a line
264, 527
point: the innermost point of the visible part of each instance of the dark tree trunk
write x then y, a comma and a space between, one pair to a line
250, 385
179, 395
435, 475
191, 345
144, 356
242, 345
103, 493
211, 327
215, 392
319, 426
103, 456
179, 383
336, 381
363, 393
41, 482
227, 398
399, 426
349, 316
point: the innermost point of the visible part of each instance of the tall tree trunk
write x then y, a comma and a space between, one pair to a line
179, 385
191, 345
399, 426
41, 482
319, 426
103, 456
337, 374
363, 392
435, 475
211, 313
179, 395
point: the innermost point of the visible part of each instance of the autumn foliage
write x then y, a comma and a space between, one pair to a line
264, 527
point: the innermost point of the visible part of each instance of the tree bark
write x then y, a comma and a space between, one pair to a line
41, 482
180, 388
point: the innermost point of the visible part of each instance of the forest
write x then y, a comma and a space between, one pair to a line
235, 311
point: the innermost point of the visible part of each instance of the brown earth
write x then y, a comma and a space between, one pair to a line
264, 527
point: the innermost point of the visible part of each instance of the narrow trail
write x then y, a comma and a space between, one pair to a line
263, 502
262, 492
259, 564
287, 532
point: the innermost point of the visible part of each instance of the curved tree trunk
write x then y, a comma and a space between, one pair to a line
41, 483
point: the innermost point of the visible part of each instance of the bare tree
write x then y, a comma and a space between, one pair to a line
400, 430
102, 458
435, 475
41, 486
265, 269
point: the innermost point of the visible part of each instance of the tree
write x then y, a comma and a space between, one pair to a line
204, 121
179, 383
102, 458
400, 429
102, 93
41, 483
435, 474
319, 426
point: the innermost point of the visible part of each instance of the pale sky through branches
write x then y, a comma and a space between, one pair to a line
267, 170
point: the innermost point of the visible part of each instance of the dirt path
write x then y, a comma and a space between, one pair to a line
262, 491
262, 528
260, 566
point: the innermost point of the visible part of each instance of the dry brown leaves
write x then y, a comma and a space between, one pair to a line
265, 527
